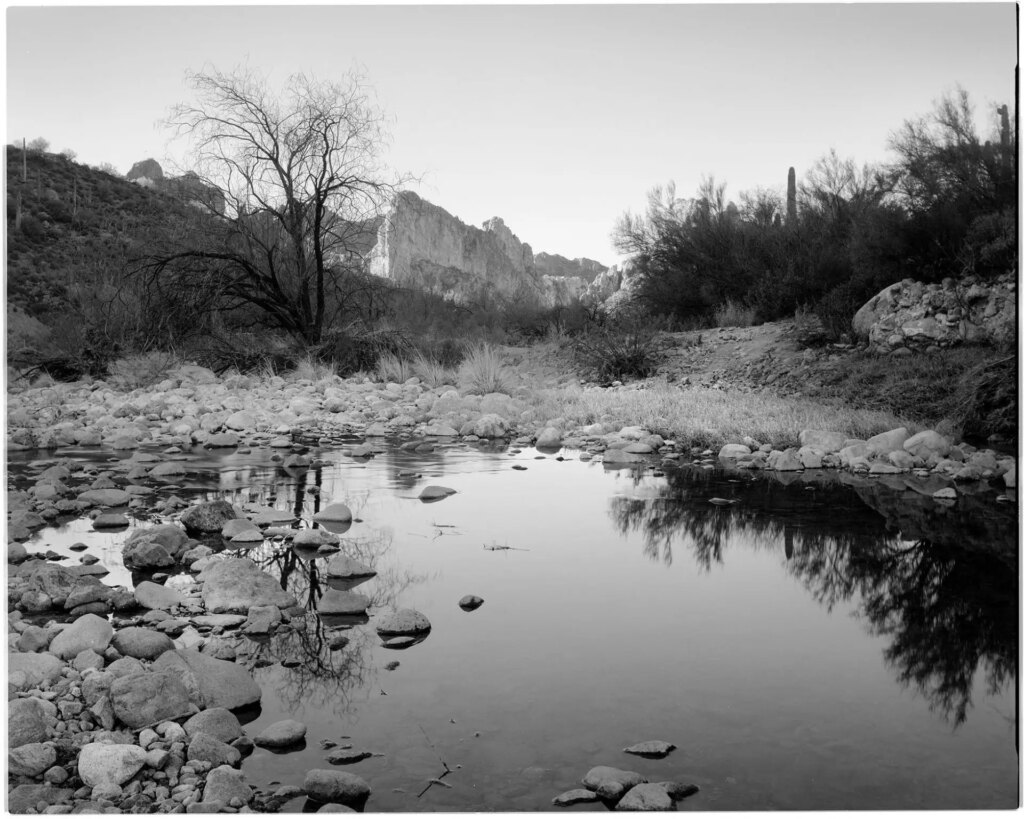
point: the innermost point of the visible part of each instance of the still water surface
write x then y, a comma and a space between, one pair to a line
798, 647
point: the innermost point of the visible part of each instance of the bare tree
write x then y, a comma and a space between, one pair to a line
295, 187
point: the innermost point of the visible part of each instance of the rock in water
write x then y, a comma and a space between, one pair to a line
334, 513
574, 797
151, 595
238, 584
470, 602
281, 734
224, 784
654, 748
343, 602
207, 518
347, 568
611, 783
435, 493
403, 622
646, 797
335, 786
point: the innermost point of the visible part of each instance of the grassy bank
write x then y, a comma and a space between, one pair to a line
697, 416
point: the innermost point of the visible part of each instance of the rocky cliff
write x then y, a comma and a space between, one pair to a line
422, 245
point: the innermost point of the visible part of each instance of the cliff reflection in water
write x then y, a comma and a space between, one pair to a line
947, 602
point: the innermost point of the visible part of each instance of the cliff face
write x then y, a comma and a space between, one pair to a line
422, 245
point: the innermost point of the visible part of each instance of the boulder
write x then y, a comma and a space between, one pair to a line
733, 451
219, 723
470, 602
145, 698
151, 595
26, 797
333, 513
207, 748
574, 797
224, 784
101, 764
824, 440
146, 554
261, 619
654, 748
29, 720
31, 759
784, 461
346, 567
886, 442
281, 734
207, 518
142, 643
237, 584
88, 631
611, 783
56, 582
335, 786
104, 497
549, 438
433, 493
110, 520
926, 443
222, 440
490, 425
403, 622
646, 797
36, 668
212, 683
168, 469
343, 602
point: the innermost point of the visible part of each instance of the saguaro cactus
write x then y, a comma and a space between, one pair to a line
791, 198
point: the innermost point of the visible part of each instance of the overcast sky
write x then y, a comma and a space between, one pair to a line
556, 118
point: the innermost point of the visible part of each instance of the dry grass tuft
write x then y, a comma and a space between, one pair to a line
482, 371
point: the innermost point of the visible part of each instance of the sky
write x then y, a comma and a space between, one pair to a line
556, 118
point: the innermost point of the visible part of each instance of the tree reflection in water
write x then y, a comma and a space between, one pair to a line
949, 608
312, 673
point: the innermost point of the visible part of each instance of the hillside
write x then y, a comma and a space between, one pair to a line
70, 226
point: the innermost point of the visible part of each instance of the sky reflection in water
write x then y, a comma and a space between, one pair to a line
800, 652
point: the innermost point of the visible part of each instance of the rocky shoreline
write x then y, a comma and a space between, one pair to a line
124, 700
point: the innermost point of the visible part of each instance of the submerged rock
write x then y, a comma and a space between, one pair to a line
646, 797
335, 786
343, 602
281, 734
238, 584
574, 797
345, 567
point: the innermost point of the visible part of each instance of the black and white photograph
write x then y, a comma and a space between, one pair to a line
491, 408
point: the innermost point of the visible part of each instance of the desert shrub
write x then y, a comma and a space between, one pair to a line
482, 371
141, 370
310, 368
392, 367
836, 309
986, 399
627, 348
431, 372
734, 314
808, 328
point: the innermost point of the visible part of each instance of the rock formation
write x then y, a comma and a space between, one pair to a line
912, 315
187, 187
421, 245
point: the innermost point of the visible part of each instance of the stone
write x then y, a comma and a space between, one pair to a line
334, 807
926, 443
886, 442
335, 786
261, 619
224, 783
151, 595
679, 791
31, 759
646, 797
222, 440
207, 518
281, 734
142, 643
240, 420
143, 699
490, 425
87, 590
601, 775
212, 683
948, 493
784, 461
238, 526
104, 497
219, 723
549, 438
403, 622
574, 797
470, 602
810, 457
732, 451
824, 440
146, 554
334, 513
103, 764
88, 659
207, 748
56, 582
312, 538
168, 469
16, 553
347, 756
110, 520
88, 631
37, 668
33, 638
343, 603
237, 584
654, 748
433, 493
345, 567
26, 797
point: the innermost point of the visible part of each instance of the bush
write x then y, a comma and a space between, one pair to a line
623, 349
391, 367
734, 314
432, 372
142, 370
482, 372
